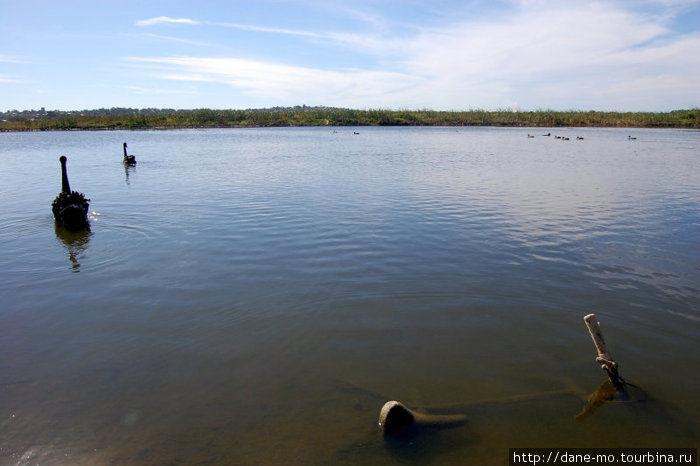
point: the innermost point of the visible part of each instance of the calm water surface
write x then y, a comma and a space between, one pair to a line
255, 296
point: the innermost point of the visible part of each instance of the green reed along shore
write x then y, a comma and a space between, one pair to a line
127, 118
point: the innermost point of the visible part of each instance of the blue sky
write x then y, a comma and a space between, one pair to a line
624, 55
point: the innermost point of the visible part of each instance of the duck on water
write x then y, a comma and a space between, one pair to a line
129, 159
70, 208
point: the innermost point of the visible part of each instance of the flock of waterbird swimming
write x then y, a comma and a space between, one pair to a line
70, 208
564, 138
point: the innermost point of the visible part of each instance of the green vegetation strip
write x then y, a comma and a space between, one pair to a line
126, 118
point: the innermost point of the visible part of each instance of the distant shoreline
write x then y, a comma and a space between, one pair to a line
303, 116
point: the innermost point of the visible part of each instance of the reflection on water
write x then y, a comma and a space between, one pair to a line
76, 242
256, 296
608, 393
128, 169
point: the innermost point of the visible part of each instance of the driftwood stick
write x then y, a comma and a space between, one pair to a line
597, 336
604, 357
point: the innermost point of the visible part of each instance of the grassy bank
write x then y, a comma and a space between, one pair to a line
124, 118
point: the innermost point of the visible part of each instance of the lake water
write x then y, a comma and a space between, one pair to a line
254, 296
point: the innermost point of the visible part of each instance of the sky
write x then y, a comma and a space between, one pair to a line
522, 55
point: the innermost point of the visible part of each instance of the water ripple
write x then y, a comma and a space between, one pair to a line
260, 261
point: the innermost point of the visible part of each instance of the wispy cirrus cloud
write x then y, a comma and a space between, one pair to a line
589, 55
180, 40
254, 28
5, 79
150, 90
10, 59
165, 19
283, 83
371, 43
600, 54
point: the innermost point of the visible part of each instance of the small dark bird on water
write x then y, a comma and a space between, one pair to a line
70, 208
129, 159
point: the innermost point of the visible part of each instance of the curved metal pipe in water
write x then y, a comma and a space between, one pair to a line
394, 416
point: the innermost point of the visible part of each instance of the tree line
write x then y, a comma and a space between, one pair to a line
127, 118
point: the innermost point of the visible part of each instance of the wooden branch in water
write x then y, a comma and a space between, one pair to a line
604, 356
594, 329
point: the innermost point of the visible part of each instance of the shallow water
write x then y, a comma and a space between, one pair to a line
254, 296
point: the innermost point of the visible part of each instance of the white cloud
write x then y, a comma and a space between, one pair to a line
568, 55
165, 19
10, 59
179, 40
149, 91
368, 43
532, 43
254, 28
583, 51
5, 79
282, 82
